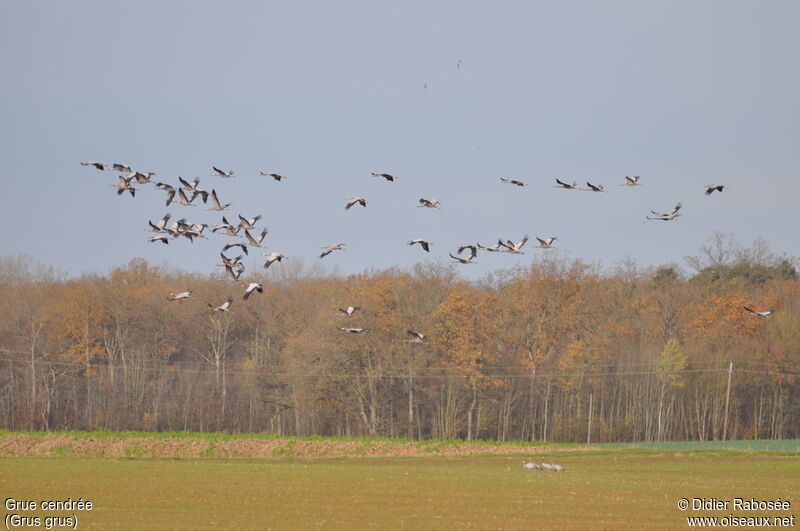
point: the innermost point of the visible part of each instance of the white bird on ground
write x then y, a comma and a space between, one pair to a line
416, 337
253, 286
516, 247
329, 249
255, 241
276, 176
179, 296
711, 188
272, 258
98, 165
561, 184
547, 243
512, 181
348, 312
422, 243
766, 313
353, 200
631, 181
389, 177
215, 204
530, 465
220, 173
352, 330
428, 203
553, 467
224, 307
245, 223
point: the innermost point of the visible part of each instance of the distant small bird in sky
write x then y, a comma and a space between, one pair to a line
422, 243
666, 216
711, 188
473, 252
467, 260
330, 248
428, 203
275, 176
182, 199
255, 241
215, 204
496, 248
142, 177
170, 191
595, 187
245, 223
561, 184
236, 244
516, 247
547, 243
353, 200
631, 181
220, 173
162, 224
124, 184
272, 258
98, 165
512, 181
389, 177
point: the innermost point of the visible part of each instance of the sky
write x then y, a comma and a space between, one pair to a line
447, 96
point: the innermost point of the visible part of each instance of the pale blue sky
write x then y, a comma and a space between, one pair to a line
683, 93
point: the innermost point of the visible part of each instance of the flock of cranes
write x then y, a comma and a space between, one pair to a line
188, 192
530, 465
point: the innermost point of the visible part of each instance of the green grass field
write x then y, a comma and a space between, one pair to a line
601, 489
780, 445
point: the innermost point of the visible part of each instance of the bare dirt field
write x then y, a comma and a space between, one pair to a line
123, 445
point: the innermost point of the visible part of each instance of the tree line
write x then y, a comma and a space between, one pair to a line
555, 351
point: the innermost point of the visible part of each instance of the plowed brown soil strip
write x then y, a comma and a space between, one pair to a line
62, 445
